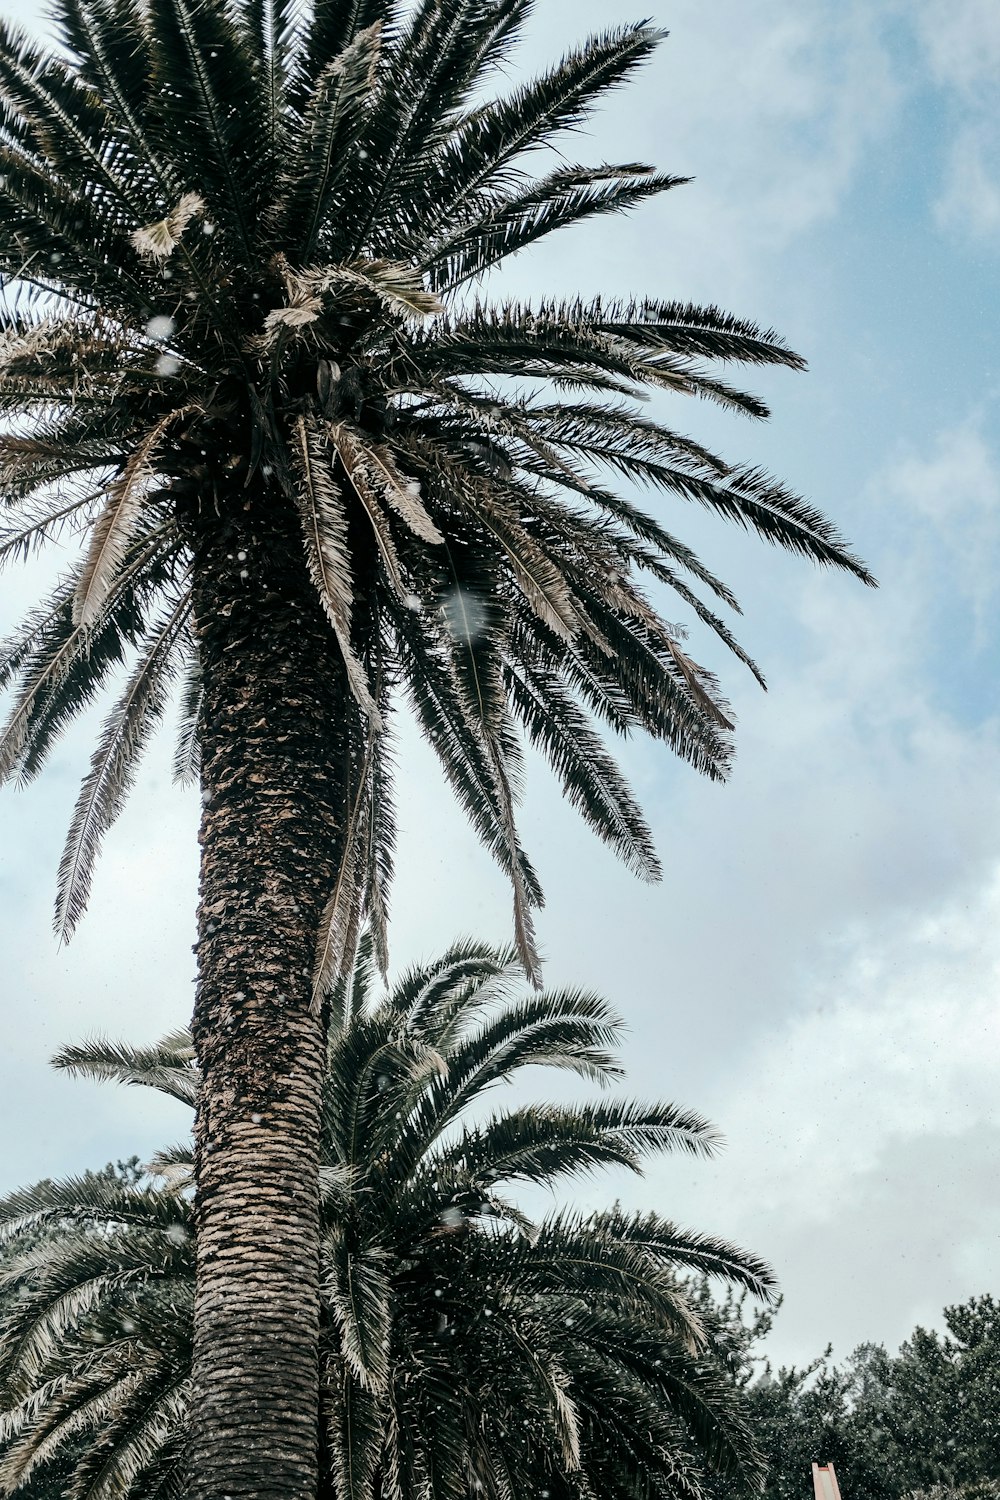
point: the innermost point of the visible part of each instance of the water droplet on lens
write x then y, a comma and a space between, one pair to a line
160, 327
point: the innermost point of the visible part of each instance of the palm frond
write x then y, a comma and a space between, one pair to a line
67, 121
111, 51
353, 1428
333, 121
571, 195
324, 530
541, 1143
113, 766
169, 1066
67, 663
482, 145
455, 736
360, 1297
341, 920
116, 525
336, 26
590, 779
187, 753
208, 116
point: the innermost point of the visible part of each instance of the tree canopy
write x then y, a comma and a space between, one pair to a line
245, 254
923, 1422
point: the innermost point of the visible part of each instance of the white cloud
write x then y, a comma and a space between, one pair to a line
917, 1231
962, 41
952, 495
802, 91
970, 198
771, 108
901, 1040
961, 44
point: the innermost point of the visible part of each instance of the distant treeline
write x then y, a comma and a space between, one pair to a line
924, 1422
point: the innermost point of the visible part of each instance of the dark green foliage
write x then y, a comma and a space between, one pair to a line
925, 1421
39, 1242
465, 1345
243, 251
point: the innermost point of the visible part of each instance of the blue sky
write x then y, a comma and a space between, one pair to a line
819, 969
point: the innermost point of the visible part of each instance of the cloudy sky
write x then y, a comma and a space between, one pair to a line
818, 971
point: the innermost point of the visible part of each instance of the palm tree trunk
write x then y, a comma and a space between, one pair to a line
272, 783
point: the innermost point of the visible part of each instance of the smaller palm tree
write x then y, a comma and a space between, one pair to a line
466, 1346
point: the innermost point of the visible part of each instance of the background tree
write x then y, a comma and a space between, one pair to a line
465, 1346
245, 368
924, 1422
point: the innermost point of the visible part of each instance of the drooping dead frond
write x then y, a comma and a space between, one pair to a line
187, 752
158, 241
378, 472
116, 525
340, 924
324, 529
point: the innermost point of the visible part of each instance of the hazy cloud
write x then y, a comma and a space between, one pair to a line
961, 42
970, 197
771, 108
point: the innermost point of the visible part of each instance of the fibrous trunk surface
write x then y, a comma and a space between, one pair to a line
272, 780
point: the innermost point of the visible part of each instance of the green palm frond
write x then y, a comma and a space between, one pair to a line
571, 195
359, 1289
492, 136
354, 1429
435, 996
542, 1143
114, 762
169, 1066
333, 120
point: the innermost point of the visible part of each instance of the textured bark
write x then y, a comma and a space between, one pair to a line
272, 787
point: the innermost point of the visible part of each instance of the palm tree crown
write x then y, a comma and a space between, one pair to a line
243, 338
465, 1347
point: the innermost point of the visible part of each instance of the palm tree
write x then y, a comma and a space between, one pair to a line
309, 470
465, 1346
